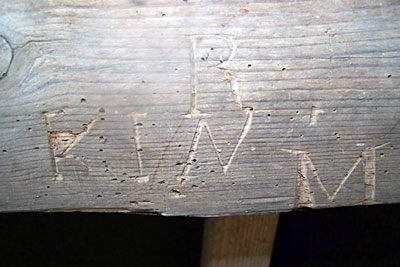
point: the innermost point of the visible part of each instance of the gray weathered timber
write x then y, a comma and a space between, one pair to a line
198, 107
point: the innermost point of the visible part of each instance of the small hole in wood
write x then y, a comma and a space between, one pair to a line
83, 100
389, 76
283, 69
99, 196
30, 129
4, 151
334, 110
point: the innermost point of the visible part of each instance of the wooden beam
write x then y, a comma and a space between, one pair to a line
198, 108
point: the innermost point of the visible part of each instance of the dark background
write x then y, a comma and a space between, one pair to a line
358, 236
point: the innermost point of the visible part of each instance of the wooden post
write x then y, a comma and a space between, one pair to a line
244, 241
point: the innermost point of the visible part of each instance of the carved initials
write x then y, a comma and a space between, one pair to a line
61, 142
202, 122
304, 194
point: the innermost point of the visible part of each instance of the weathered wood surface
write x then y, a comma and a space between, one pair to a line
198, 107
239, 241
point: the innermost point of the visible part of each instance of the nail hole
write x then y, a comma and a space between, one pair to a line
83, 100
389, 76
283, 69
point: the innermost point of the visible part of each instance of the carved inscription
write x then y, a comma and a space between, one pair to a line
195, 113
304, 194
138, 148
61, 142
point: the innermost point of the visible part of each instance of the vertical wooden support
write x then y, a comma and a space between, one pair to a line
244, 241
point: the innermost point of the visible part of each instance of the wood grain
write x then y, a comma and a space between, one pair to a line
239, 240
198, 108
